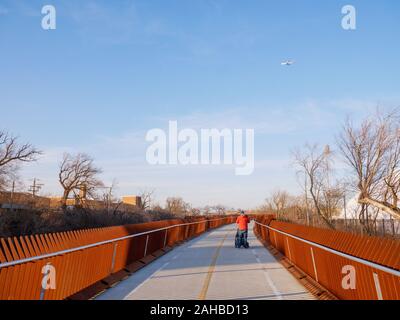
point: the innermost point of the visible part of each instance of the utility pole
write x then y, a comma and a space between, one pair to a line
35, 187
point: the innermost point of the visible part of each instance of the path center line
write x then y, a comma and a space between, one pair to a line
211, 268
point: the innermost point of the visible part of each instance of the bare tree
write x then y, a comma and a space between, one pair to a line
177, 206
372, 151
146, 199
11, 154
314, 163
219, 209
77, 173
206, 210
278, 201
110, 201
391, 191
195, 212
266, 207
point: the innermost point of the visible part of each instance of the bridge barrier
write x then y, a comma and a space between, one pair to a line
352, 267
57, 265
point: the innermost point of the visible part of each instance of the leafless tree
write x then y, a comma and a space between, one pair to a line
146, 198
195, 212
372, 150
207, 210
266, 207
315, 165
278, 201
177, 206
331, 200
110, 201
219, 209
11, 155
77, 172
391, 190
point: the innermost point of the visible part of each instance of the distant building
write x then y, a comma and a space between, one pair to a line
352, 211
23, 201
20, 201
132, 200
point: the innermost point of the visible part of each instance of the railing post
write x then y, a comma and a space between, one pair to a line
165, 238
290, 254
42, 289
145, 248
48, 272
314, 264
113, 257
377, 286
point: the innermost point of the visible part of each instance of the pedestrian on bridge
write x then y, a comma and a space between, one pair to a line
242, 223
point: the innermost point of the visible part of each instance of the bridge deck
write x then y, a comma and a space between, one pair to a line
209, 267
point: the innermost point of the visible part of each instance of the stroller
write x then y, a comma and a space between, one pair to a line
240, 241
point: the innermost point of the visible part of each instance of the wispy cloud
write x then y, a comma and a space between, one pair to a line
268, 119
122, 156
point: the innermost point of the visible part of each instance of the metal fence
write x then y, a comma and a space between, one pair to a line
389, 228
379, 227
352, 267
81, 258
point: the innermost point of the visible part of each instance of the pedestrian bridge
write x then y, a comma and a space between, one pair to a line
210, 267
195, 258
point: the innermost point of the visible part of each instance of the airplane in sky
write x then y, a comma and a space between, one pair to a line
287, 63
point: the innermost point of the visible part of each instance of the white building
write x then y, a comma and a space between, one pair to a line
353, 208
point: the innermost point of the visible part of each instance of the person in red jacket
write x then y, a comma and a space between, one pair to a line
242, 223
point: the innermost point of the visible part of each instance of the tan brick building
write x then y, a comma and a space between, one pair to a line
132, 200
20, 201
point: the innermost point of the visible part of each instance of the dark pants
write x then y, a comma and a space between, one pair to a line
243, 233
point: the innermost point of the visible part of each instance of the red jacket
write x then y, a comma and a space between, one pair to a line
243, 222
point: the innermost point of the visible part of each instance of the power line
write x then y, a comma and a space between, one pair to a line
35, 187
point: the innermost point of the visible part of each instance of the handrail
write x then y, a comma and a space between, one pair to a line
53, 254
345, 255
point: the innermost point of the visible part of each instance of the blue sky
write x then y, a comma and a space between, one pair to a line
114, 69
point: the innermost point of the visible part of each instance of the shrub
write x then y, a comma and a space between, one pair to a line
27, 222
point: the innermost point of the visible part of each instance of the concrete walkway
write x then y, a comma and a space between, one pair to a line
209, 267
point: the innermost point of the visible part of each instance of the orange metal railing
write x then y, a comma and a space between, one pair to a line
352, 267
83, 257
